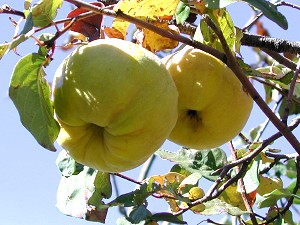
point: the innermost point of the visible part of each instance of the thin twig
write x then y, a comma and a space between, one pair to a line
259, 15
281, 59
243, 188
289, 99
9, 10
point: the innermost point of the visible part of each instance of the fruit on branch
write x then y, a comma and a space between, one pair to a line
213, 107
196, 193
116, 104
268, 184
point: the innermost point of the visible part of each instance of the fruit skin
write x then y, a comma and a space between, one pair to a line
116, 104
213, 107
196, 193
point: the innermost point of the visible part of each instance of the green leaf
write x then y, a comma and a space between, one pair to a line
270, 11
20, 39
291, 189
222, 19
102, 190
294, 108
67, 165
3, 49
251, 179
74, 193
30, 93
168, 217
139, 214
194, 161
126, 200
217, 206
182, 12
288, 218
44, 12
272, 198
28, 26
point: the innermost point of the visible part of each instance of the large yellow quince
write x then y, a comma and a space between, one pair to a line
213, 107
116, 104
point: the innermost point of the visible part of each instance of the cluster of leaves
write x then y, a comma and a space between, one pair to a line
235, 181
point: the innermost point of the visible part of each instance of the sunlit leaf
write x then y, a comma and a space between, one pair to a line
268, 9
73, 194
216, 206
153, 11
67, 165
155, 42
291, 189
250, 179
222, 19
169, 186
30, 93
44, 12
182, 12
288, 218
3, 49
21, 38
233, 197
204, 162
272, 198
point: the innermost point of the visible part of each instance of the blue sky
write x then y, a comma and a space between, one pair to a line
29, 176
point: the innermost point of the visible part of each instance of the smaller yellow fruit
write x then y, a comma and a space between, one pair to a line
213, 106
196, 193
268, 184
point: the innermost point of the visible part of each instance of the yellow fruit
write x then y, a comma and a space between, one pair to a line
194, 194
213, 107
116, 104
268, 184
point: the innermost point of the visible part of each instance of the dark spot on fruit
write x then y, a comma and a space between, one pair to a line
193, 115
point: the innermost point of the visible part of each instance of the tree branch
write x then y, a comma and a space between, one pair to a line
120, 15
274, 44
9, 10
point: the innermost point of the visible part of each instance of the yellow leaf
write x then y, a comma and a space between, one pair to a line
155, 42
200, 6
146, 10
166, 180
231, 196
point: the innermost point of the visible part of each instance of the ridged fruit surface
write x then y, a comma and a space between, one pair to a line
213, 106
116, 104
